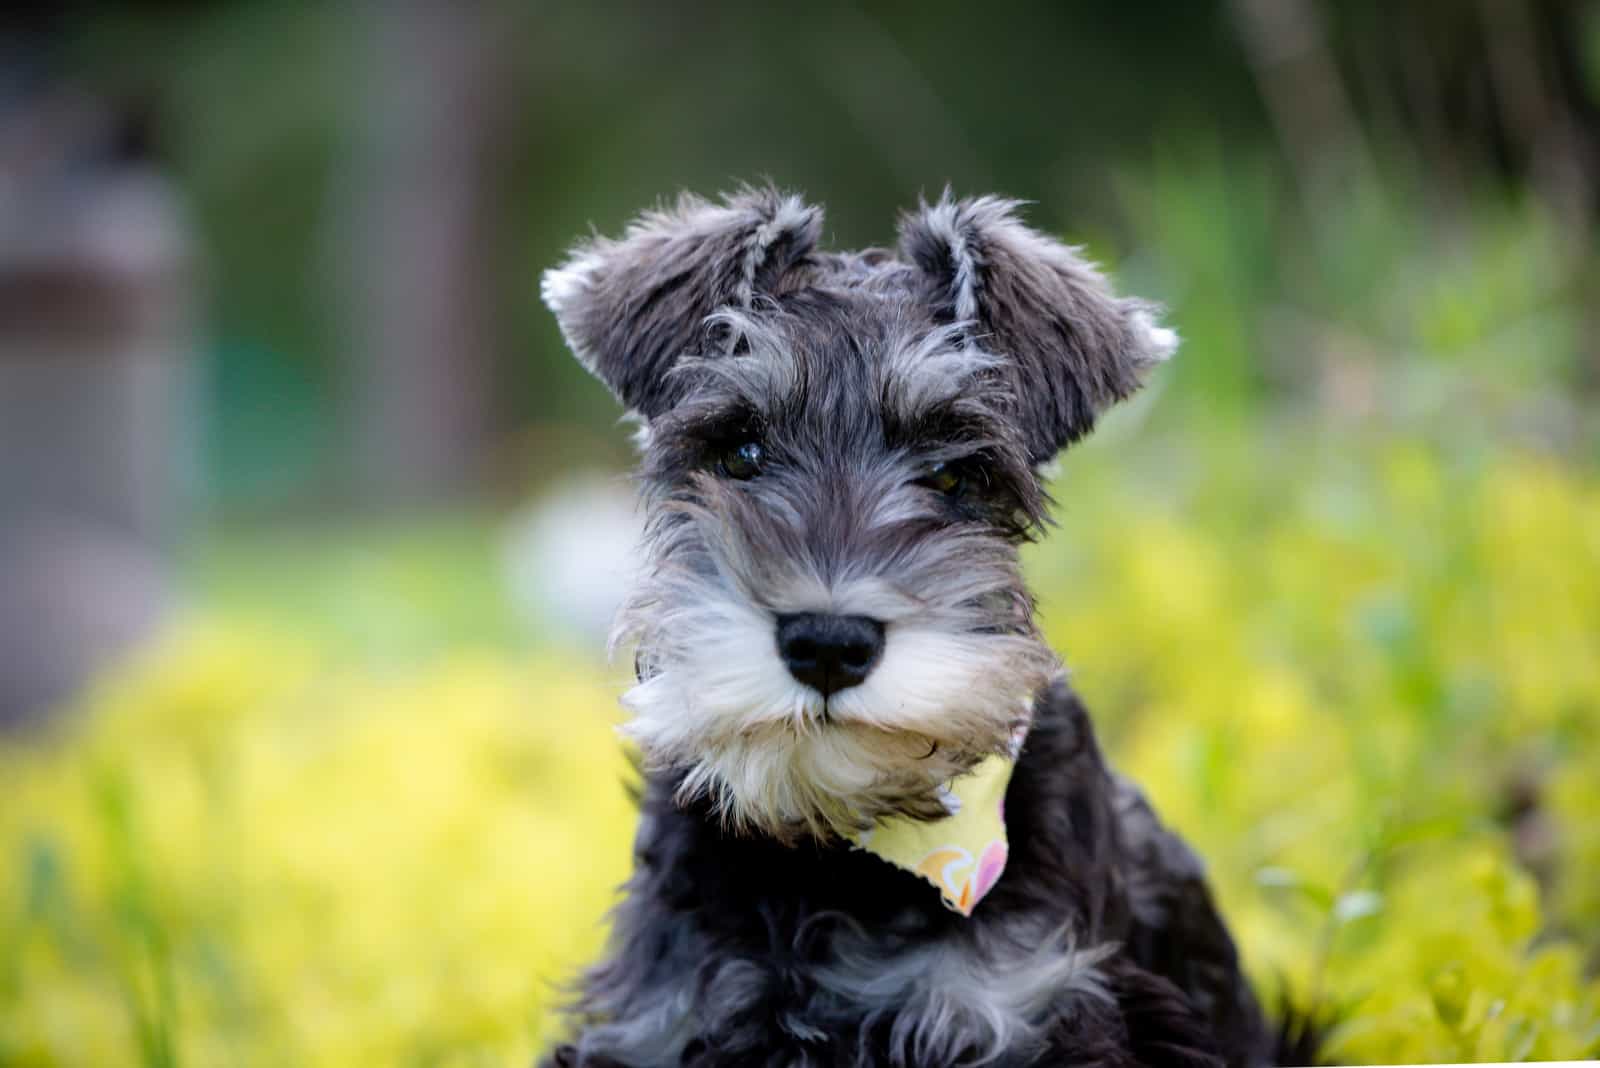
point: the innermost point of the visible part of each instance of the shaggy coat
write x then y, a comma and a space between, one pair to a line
1099, 946
858, 437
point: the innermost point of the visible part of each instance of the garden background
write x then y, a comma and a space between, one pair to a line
309, 525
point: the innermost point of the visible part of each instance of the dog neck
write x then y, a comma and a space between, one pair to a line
688, 852
964, 853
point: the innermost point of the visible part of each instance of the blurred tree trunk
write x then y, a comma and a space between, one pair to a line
1287, 46
416, 222
97, 342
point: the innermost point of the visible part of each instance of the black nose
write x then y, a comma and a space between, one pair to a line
829, 653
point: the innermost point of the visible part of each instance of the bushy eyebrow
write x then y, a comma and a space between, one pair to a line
682, 438
967, 428
955, 422
922, 369
759, 364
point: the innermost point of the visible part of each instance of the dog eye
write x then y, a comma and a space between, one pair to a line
742, 461
944, 478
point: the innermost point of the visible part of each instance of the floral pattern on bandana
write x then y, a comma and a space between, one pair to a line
963, 854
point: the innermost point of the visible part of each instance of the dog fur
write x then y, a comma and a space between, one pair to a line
860, 434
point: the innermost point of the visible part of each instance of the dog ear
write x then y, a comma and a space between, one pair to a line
630, 308
1074, 347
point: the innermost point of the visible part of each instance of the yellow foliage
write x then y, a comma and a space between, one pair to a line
252, 847
1334, 698
253, 858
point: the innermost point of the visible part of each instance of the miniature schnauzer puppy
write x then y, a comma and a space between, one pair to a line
835, 651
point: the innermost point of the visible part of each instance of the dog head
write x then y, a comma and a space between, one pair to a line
840, 458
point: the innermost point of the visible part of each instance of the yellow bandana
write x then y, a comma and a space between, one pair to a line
964, 853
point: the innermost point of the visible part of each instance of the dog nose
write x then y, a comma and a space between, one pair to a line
829, 653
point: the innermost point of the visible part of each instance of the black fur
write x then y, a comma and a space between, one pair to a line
737, 928
750, 933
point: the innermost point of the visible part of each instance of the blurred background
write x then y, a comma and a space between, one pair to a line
310, 528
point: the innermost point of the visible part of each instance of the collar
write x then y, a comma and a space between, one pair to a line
963, 854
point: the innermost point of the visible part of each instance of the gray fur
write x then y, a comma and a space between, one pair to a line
839, 523
630, 308
902, 407
1075, 347
971, 996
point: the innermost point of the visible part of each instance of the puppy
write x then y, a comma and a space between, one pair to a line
875, 826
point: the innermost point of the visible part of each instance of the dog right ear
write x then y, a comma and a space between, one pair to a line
1072, 346
630, 308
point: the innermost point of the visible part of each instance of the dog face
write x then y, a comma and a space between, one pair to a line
840, 459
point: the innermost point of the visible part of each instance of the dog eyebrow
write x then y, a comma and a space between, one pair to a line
722, 423
926, 373
949, 421
685, 436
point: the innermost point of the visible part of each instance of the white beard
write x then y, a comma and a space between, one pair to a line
717, 701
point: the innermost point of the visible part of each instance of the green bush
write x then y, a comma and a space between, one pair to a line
1335, 667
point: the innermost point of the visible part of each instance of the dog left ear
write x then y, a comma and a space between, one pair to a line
630, 308
1074, 347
